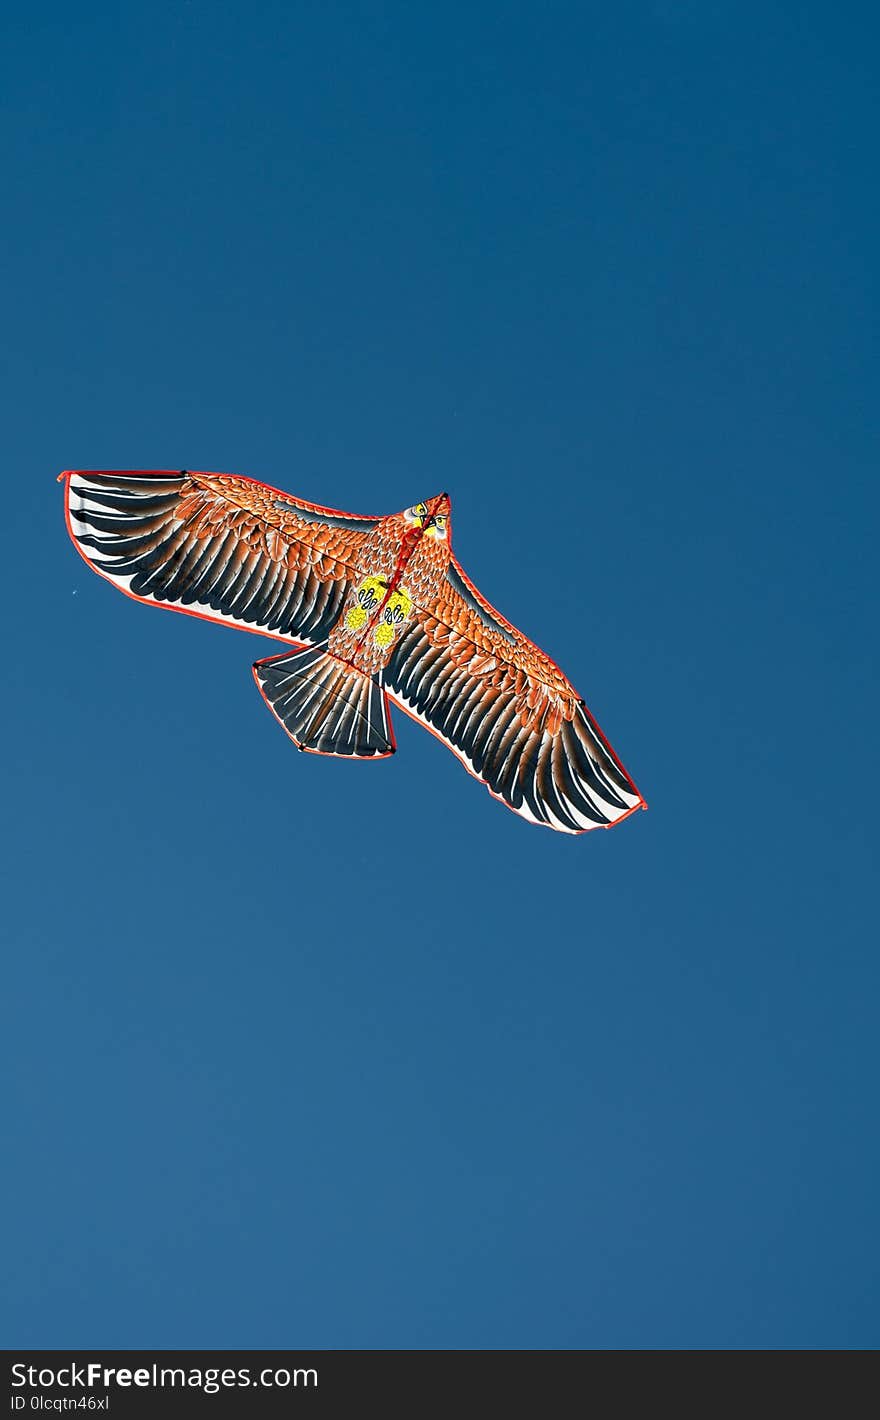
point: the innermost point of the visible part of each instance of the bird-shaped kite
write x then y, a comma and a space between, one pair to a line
375, 607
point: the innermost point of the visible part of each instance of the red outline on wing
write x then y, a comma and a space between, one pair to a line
502, 620
146, 601
487, 605
203, 473
570, 832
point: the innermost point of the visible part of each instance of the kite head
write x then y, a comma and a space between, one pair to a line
432, 516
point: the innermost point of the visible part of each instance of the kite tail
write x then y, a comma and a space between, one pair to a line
326, 706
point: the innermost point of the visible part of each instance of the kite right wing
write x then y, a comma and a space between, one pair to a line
507, 712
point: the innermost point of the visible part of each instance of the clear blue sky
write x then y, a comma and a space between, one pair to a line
299, 1052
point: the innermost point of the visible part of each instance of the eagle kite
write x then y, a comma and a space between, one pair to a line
374, 608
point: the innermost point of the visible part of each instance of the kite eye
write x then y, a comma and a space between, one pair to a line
436, 526
416, 514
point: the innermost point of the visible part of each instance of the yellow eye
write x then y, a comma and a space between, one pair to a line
417, 514
436, 526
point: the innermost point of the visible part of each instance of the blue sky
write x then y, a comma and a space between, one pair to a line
306, 1053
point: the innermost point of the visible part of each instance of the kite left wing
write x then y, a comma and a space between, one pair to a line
226, 548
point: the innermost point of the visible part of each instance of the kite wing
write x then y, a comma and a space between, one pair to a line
508, 713
225, 548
